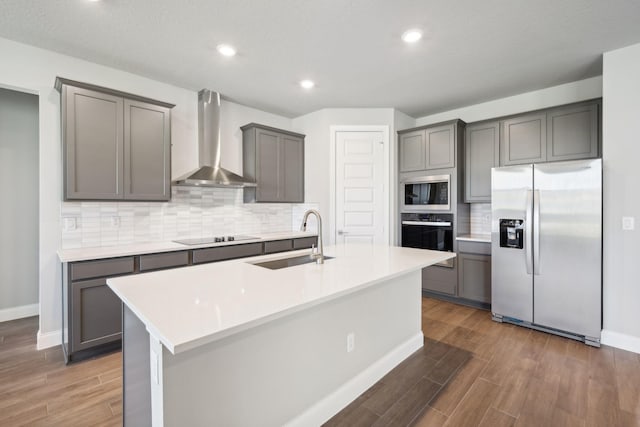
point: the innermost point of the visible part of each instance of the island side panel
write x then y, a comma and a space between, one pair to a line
295, 369
136, 371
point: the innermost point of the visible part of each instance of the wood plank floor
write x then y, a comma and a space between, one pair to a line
471, 372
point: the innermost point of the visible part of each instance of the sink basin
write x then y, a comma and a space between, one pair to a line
277, 264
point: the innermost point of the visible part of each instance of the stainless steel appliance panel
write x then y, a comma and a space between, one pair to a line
568, 250
511, 272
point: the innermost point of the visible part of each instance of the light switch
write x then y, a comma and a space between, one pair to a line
628, 223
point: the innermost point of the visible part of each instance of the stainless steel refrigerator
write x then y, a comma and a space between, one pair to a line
546, 247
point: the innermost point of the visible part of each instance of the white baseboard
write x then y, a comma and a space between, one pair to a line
14, 313
619, 340
333, 403
49, 339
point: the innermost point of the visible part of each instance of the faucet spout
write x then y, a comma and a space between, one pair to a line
317, 252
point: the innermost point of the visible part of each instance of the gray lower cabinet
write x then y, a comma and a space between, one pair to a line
304, 242
98, 313
474, 277
439, 279
274, 158
524, 139
432, 147
482, 152
116, 146
226, 252
92, 316
92, 313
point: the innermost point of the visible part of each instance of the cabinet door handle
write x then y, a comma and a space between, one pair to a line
342, 232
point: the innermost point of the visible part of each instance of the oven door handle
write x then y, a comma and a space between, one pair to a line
428, 223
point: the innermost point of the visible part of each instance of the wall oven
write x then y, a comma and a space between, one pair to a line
428, 231
426, 193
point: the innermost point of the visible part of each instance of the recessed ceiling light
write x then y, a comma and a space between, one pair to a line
307, 84
226, 50
412, 36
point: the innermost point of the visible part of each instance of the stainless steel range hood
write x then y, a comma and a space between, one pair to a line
210, 174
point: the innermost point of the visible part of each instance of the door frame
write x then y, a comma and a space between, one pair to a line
386, 184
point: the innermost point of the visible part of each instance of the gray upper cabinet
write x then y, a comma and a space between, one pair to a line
116, 146
147, 148
440, 147
569, 132
92, 127
482, 152
432, 147
412, 151
524, 139
274, 158
572, 132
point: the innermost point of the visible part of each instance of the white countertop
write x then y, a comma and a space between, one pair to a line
84, 254
482, 238
187, 307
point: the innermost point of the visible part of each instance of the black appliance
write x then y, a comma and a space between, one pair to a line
428, 231
512, 233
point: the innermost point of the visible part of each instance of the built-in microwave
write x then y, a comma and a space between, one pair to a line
426, 193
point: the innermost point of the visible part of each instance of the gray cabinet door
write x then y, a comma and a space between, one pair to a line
440, 279
267, 166
412, 151
482, 152
474, 277
524, 139
572, 132
440, 147
93, 144
97, 314
275, 159
292, 174
147, 145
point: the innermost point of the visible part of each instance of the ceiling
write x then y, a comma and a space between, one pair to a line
473, 51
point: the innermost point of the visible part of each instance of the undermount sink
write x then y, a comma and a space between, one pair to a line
277, 264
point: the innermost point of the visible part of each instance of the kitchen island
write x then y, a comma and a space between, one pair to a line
234, 343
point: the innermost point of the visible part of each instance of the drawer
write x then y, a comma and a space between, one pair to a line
226, 252
480, 248
101, 268
304, 242
278, 246
163, 260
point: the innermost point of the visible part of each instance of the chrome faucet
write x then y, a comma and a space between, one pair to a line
316, 253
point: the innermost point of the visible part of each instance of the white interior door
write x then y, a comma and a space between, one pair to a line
360, 208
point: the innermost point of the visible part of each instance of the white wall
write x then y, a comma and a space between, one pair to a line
34, 70
621, 152
19, 212
557, 95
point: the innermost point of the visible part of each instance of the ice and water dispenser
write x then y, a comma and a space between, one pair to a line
512, 233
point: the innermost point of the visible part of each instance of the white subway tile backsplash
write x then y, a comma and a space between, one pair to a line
480, 220
192, 212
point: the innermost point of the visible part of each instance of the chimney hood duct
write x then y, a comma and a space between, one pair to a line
210, 174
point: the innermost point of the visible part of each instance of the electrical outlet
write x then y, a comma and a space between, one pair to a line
628, 223
351, 342
115, 221
69, 223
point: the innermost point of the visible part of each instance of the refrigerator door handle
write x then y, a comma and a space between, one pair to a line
528, 230
536, 232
